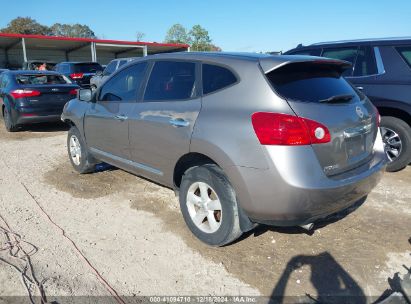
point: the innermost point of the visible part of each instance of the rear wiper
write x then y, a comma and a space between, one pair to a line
337, 98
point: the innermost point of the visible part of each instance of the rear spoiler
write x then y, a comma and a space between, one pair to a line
269, 64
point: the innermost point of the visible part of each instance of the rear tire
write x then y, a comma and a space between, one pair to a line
78, 154
209, 206
8, 121
396, 135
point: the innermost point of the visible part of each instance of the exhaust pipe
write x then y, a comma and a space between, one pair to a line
307, 227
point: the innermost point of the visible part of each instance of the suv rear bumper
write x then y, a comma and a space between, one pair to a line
295, 190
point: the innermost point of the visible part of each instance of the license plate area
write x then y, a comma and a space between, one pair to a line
355, 146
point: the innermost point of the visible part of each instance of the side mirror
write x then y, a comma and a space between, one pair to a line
99, 73
85, 95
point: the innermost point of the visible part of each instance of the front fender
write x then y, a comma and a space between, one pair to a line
74, 112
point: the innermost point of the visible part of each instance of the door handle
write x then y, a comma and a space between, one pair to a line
360, 88
121, 117
179, 122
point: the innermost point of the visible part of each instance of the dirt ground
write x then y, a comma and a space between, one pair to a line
131, 231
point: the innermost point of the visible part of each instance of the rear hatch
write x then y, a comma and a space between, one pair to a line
315, 90
48, 93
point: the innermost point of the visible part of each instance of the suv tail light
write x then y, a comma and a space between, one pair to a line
288, 130
77, 75
24, 93
73, 92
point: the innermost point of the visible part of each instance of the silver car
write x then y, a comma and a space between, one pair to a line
113, 66
242, 138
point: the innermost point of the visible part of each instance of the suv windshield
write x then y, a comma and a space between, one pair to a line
310, 82
28, 79
87, 67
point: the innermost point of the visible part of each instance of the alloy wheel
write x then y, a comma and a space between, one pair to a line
204, 207
392, 143
75, 150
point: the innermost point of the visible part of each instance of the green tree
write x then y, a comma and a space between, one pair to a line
25, 25
72, 30
201, 41
177, 34
213, 48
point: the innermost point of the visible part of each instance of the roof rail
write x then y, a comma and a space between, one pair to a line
362, 40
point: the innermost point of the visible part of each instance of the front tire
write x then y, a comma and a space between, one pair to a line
396, 135
79, 157
209, 205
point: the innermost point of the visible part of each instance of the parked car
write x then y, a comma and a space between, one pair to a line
35, 64
382, 70
79, 72
33, 96
113, 66
244, 139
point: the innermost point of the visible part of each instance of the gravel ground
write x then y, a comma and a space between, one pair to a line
131, 232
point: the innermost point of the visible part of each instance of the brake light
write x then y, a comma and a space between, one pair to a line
24, 93
288, 130
77, 75
73, 92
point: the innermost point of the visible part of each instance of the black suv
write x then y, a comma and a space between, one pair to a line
79, 72
381, 68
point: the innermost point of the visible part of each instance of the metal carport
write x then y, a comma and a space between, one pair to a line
17, 48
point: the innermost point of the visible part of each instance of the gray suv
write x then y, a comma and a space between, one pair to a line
242, 138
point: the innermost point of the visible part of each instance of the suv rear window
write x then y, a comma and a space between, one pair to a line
216, 77
405, 53
28, 79
87, 67
309, 82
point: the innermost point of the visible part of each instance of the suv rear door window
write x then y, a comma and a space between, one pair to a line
405, 52
124, 86
308, 82
87, 67
216, 77
365, 63
171, 80
348, 54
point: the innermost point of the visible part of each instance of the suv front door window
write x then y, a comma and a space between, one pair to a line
106, 121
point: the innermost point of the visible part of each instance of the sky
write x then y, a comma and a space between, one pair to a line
234, 25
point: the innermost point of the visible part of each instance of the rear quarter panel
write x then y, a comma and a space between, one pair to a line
224, 131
